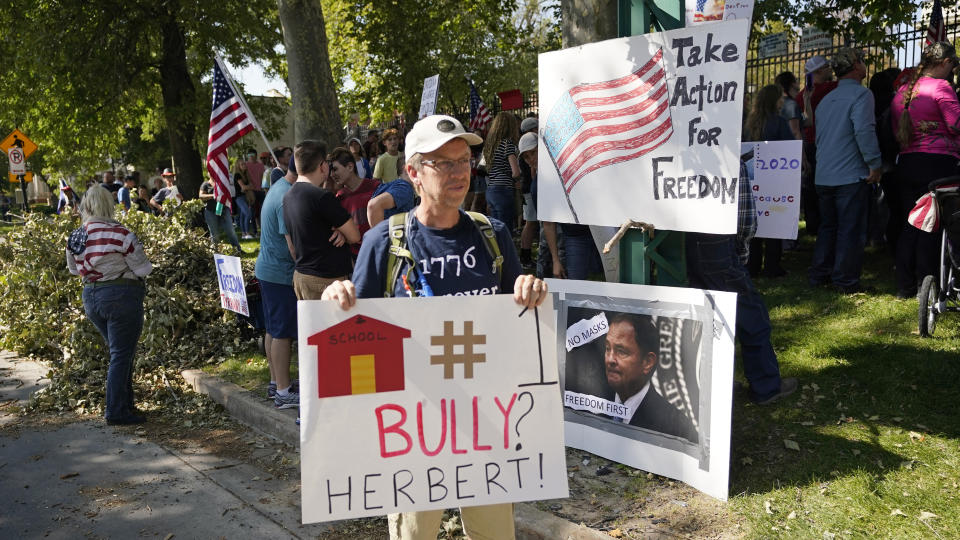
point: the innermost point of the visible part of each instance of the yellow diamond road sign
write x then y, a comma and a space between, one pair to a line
14, 179
17, 138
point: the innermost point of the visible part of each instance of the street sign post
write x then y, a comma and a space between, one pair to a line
18, 148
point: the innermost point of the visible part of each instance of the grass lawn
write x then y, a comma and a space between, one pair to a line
867, 448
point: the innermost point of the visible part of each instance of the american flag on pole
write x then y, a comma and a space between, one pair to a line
594, 125
229, 120
64, 199
937, 31
479, 114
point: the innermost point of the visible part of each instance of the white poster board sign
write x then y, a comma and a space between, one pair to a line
773, 45
428, 99
233, 293
774, 170
424, 403
814, 38
709, 11
645, 128
17, 160
662, 405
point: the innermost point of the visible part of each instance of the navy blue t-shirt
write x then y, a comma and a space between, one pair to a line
454, 261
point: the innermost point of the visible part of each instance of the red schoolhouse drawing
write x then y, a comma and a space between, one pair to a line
360, 355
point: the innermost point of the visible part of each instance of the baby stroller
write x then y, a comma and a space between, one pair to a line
940, 294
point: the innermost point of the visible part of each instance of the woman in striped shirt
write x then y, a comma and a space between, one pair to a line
503, 169
112, 264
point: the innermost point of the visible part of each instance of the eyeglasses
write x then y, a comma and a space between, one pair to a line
447, 166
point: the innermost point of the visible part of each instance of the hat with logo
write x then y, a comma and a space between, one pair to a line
434, 131
527, 142
815, 63
168, 172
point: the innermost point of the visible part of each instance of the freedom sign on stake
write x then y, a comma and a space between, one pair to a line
233, 293
646, 375
774, 170
425, 403
645, 127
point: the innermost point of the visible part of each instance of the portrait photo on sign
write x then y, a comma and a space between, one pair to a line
646, 374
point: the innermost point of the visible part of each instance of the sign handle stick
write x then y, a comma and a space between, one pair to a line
536, 318
233, 86
563, 187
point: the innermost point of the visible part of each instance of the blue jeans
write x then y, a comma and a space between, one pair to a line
501, 202
581, 257
713, 263
244, 213
221, 224
838, 255
117, 312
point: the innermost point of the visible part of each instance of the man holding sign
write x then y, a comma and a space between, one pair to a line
447, 254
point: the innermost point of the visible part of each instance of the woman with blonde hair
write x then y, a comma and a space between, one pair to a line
765, 124
503, 168
926, 120
111, 261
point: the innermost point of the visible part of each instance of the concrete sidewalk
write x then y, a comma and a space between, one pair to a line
259, 413
88, 480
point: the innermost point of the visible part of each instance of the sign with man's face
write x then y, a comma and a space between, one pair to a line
646, 374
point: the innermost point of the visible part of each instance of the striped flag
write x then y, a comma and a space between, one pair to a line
480, 116
598, 124
937, 31
229, 120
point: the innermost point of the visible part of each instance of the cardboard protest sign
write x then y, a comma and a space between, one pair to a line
709, 11
233, 293
428, 99
774, 170
647, 374
423, 403
646, 128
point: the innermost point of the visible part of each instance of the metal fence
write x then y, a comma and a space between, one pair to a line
911, 36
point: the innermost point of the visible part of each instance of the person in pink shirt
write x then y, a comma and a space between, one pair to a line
926, 120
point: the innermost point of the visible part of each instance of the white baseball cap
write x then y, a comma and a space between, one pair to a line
433, 132
527, 142
815, 63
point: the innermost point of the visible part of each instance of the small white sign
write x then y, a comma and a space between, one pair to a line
596, 405
428, 100
233, 292
586, 330
814, 38
708, 11
774, 169
773, 45
18, 163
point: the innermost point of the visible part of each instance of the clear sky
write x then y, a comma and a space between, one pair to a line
256, 82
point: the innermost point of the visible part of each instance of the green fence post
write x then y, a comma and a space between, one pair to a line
646, 258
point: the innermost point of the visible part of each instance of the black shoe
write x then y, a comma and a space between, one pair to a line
907, 295
787, 387
127, 420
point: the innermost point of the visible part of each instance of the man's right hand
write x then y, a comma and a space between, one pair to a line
343, 292
875, 176
558, 270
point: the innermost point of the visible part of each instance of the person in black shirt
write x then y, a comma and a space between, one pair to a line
318, 230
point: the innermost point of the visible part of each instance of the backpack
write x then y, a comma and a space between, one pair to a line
399, 223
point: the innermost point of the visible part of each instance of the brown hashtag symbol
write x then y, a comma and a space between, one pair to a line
449, 340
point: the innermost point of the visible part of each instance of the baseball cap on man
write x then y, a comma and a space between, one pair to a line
527, 142
815, 63
168, 172
434, 131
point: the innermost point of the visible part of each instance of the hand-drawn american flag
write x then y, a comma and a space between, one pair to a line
937, 31
479, 114
598, 124
229, 120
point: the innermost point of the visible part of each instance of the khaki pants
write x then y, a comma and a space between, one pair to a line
491, 522
308, 287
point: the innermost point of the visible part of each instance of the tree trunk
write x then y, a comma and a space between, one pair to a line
179, 103
587, 21
316, 111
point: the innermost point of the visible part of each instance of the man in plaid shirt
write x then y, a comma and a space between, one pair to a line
716, 261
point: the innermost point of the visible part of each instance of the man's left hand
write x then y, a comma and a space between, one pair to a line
529, 291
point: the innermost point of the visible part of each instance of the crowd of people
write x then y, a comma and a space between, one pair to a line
368, 218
